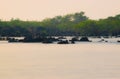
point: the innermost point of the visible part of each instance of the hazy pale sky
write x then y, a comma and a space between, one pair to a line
40, 9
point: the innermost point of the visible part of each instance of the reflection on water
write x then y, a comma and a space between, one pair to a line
53, 61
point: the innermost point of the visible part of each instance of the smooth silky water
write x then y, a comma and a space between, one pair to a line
55, 61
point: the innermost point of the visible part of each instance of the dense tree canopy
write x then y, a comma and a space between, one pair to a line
71, 24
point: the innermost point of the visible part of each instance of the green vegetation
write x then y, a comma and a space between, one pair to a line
71, 24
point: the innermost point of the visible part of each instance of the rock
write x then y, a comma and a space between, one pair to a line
73, 42
84, 39
13, 40
118, 41
75, 39
47, 41
63, 42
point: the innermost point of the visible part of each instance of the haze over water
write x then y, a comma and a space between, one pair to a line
54, 61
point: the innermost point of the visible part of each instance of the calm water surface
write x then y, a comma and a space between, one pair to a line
53, 61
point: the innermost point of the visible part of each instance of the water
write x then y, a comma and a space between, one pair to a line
53, 61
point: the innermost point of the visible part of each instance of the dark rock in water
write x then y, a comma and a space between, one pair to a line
63, 42
13, 40
30, 39
2, 38
117, 36
75, 39
47, 41
84, 39
102, 40
52, 39
21, 40
40, 39
106, 41
118, 41
73, 42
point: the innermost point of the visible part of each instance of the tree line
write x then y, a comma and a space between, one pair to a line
67, 25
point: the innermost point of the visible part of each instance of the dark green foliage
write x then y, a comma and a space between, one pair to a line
71, 24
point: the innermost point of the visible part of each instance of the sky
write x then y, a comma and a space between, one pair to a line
41, 9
